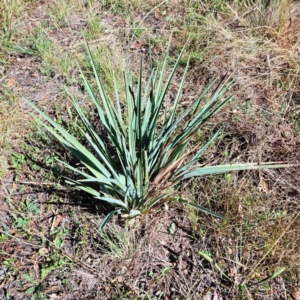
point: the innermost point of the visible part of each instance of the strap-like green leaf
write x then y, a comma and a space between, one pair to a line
114, 202
197, 155
107, 218
209, 170
105, 100
106, 181
83, 187
73, 145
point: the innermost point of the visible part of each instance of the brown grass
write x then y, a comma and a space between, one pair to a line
260, 46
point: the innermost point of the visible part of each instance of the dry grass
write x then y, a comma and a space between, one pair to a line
257, 43
14, 125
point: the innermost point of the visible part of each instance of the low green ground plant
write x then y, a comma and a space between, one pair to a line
150, 141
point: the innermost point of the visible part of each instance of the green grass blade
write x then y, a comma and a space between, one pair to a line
201, 208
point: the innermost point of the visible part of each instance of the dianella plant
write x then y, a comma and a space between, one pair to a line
152, 151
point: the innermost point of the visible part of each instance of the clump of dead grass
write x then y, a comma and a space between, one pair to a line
13, 128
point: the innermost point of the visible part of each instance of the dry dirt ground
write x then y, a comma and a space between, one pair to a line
50, 247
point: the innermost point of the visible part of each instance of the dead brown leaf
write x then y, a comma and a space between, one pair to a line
118, 279
43, 251
263, 186
10, 82
54, 297
295, 294
136, 46
157, 13
58, 219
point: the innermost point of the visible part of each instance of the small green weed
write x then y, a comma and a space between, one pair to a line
18, 160
35, 287
10, 263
